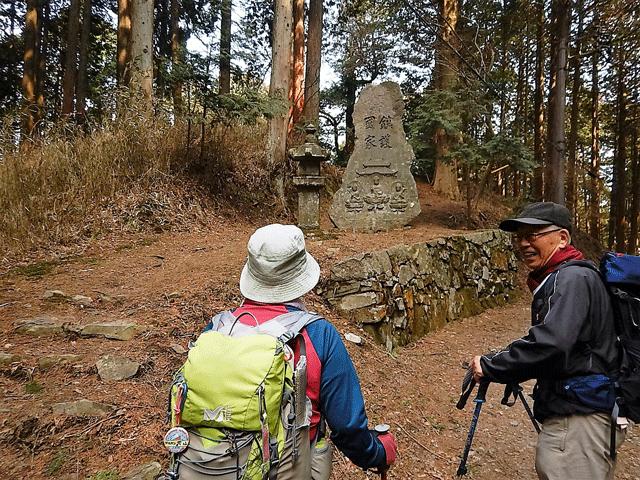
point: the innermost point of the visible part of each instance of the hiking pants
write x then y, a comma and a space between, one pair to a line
576, 448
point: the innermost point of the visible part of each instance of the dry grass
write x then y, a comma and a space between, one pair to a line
134, 174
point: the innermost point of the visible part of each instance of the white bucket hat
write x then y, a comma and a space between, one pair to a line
278, 268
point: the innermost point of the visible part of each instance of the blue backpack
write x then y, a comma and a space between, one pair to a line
621, 276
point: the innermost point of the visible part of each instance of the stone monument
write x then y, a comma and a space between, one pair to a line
378, 191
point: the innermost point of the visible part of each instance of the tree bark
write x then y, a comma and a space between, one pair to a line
619, 178
350, 98
71, 59
538, 107
30, 58
296, 92
176, 55
634, 207
225, 47
311, 109
279, 90
594, 167
554, 180
83, 61
571, 193
446, 173
142, 49
43, 47
123, 55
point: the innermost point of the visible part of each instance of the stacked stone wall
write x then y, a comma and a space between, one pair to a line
400, 294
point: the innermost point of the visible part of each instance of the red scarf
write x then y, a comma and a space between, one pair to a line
561, 256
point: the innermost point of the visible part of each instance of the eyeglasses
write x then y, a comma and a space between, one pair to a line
532, 237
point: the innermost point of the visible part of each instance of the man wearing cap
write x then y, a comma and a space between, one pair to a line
571, 338
277, 273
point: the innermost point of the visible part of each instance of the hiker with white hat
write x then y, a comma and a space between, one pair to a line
279, 271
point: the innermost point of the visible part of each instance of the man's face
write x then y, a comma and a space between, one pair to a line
538, 244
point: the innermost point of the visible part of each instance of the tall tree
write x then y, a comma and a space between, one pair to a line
30, 75
538, 106
123, 54
594, 163
279, 84
71, 59
44, 7
314, 61
634, 207
296, 91
83, 61
142, 48
225, 47
446, 174
571, 190
617, 218
176, 55
556, 151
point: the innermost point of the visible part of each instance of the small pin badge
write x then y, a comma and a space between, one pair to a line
176, 440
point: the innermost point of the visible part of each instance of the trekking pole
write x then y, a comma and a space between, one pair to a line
526, 407
516, 390
479, 400
381, 430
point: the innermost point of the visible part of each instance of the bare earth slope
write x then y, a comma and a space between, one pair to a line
171, 284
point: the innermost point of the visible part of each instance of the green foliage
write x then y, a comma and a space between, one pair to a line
111, 474
36, 269
11, 48
461, 114
33, 387
507, 150
245, 107
56, 463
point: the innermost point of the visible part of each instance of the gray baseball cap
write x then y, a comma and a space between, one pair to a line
540, 214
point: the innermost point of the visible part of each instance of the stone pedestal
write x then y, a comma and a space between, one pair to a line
309, 182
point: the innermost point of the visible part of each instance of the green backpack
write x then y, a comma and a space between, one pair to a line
236, 410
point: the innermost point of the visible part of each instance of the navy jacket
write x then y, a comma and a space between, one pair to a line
572, 334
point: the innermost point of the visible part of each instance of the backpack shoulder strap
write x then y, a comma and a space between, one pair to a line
221, 319
294, 322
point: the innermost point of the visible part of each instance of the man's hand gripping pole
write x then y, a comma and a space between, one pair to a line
467, 386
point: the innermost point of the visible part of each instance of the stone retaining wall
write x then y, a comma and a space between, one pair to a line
400, 294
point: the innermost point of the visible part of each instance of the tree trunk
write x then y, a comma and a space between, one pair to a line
594, 167
176, 55
446, 174
538, 138
43, 47
350, 98
225, 47
554, 181
123, 59
142, 49
296, 92
571, 192
83, 61
29, 77
311, 109
280, 79
634, 208
71, 59
619, 178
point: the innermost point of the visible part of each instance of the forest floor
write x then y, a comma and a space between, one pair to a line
171, 283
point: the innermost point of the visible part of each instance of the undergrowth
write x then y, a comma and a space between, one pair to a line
134, 174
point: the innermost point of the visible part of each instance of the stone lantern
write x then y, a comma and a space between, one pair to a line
308, 181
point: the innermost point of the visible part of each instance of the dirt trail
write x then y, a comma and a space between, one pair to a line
171, 284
